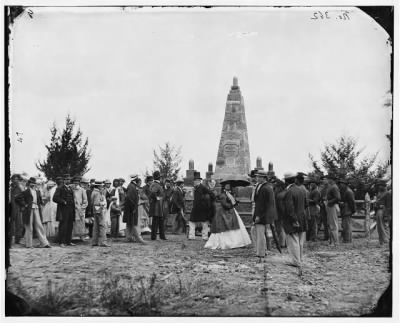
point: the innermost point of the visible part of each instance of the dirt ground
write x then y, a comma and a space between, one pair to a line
344, 282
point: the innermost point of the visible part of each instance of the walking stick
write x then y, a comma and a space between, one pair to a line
275, 238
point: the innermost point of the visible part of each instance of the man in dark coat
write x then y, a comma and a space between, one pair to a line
146, 187
202, 210
347, 209
64, 197
295, 221
131, 215
156, 209
85, 183
178, 208
264, 213
17, 229
280, 193
31, 202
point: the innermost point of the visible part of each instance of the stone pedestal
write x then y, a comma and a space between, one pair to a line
188, 180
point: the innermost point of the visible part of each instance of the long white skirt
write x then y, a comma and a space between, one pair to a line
229, 239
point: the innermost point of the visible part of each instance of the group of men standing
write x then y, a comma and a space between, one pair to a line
296, 212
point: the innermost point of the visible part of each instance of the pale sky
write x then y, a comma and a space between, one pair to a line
136, 78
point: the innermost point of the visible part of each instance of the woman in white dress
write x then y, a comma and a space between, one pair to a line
227, 228
49, 211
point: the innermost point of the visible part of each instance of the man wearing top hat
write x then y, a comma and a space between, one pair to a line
202, 210
333, 209
30, 201
383, 211
295, 221
347, 208
64, 197
131, 215
156, 208
264, 212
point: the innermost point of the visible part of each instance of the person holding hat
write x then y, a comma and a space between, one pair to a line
264, 213
31, 202
202, 210
64, 197
314, 200
156, 208
295, 221
99, 204
383, 211
178, 208
49, 211
347, 208
332, 209
131, 214
81, 203
17, 229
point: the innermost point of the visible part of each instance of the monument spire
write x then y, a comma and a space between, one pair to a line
233, 157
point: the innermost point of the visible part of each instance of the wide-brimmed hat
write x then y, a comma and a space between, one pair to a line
32, 180
85, 180
134, 177
289, 175
51, 183
107, 181
179, 180
149, 178
312, 179
167, 180
197, 175
343, 181
24, 176
98, 183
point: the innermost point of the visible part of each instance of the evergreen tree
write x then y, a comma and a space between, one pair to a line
343, 159
67, 152
168, 161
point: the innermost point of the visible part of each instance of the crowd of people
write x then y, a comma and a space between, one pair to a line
291, 210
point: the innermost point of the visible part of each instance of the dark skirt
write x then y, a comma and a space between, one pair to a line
224, 220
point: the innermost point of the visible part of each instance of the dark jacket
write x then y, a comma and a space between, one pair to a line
64, 197
280, 204
295, 204
131, 205
167, 200
178, 201
384, 202
265, 208
225, 218
156, 199
348, 207
89, 210
202, 204
15, 210
25, 200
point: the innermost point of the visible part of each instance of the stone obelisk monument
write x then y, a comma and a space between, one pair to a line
233, 158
